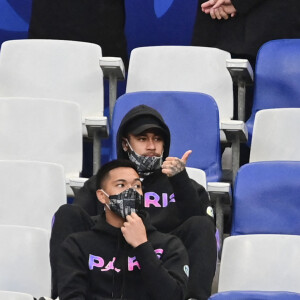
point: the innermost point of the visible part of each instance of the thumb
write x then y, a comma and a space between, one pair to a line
218, 3
186, 155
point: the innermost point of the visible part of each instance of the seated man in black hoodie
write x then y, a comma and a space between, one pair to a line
123, 256
176, 204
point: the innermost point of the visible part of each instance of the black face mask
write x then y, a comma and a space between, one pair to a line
125, 203
143, 163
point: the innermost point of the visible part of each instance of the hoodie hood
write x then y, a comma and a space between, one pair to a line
142, 110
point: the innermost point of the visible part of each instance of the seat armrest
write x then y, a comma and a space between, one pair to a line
76, 183
220, 190
242, 74
97, 128
236, 133
240, 70
113, 69
233, 129
99, 124
221, 198
112, 66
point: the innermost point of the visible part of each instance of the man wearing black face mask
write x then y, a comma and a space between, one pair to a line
176, 204
123, 256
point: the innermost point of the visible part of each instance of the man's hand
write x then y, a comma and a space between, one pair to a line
219, 9
208, 5
173, 165
134, 230
223, 12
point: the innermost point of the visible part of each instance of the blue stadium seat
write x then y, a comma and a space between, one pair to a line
193, 120
255, 295
266, 198
191, 69
277, 77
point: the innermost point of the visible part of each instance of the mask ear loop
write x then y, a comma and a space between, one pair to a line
129, 144
107, 197
107, 206
162, 154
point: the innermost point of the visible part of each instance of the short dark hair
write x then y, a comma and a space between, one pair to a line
114, 164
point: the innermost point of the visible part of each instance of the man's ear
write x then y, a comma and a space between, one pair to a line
125, 145
101, 196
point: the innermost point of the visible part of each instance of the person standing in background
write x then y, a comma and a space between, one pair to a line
96, 21
241, 27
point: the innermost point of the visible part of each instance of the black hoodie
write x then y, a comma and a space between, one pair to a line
99, 264
169, 200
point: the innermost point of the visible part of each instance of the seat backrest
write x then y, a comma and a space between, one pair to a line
276, 135
24, 260
193, 121
56, 69
198, 175
31, 192
255, 295
6, 295
277, 77
266, 198
48, 130
260, 262
183, 68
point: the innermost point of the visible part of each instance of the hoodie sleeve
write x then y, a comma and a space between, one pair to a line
191, 197
245, 6
170, 269
72, 272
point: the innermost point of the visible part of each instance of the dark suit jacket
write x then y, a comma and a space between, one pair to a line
256, 22
96, 21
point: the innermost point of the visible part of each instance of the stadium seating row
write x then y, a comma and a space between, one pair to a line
28, 133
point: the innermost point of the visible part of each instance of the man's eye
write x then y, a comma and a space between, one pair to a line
120, 185
138, 186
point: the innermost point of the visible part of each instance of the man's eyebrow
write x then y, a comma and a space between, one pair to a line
120, 180
124, 180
